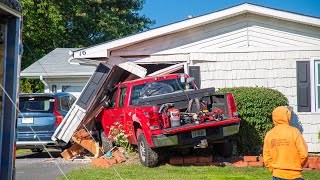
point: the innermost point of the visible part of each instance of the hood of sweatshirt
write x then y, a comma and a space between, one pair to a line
281, 115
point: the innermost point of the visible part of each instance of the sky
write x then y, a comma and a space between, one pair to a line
170, 11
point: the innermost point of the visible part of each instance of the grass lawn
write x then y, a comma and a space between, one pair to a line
22, 151
138, 171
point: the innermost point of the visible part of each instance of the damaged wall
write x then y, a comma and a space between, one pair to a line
276, 70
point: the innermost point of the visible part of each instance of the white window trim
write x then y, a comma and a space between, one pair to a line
313, 80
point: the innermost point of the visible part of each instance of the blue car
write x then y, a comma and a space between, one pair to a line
39, 116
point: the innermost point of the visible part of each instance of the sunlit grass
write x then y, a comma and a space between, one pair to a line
138, 171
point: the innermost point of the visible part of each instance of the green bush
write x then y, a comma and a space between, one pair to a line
254, 105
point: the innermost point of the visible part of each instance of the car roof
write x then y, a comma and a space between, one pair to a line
45, 94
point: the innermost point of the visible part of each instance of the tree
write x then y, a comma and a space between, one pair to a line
49, 24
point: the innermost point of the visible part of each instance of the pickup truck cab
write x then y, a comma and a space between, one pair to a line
168, 111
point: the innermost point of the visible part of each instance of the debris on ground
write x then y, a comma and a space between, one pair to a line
104, 161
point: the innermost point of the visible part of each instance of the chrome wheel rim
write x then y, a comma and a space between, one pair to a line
142, 150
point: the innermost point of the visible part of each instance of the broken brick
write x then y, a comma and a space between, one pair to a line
256, 164
205, 159
312, 159
100, 162
112, 161
118, 156
240, 164
190, 160
250, 158
261, 159
306, 165
314, 165
176, 160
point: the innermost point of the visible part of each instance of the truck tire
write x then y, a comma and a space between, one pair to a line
225, 149
148, 157
105, 143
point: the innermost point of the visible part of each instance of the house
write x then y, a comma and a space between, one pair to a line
10, 55
244, 45
57, 74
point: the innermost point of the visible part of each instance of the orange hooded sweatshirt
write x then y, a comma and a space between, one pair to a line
284, 150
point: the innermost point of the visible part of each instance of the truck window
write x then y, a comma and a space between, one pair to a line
112, 98
122, 97
158, 88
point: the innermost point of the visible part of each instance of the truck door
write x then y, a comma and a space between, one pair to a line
121, 106
109, 116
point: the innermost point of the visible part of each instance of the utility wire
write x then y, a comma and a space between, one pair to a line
45, 148
77, 117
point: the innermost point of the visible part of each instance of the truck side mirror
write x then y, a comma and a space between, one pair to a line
106, 104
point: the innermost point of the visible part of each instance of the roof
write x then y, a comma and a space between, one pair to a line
55, 64
58, 94
104, 49
12, 7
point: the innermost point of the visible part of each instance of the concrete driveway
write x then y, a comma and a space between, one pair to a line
38, 166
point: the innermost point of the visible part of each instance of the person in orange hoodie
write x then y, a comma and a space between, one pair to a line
284, 150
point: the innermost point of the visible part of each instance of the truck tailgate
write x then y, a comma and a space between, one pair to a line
190, 127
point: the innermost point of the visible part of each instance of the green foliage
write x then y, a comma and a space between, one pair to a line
118, 136
255, 105
319, 135
49, 24
31, 86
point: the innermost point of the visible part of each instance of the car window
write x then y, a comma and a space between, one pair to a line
64, 103
122, 97
36, 104
158, 88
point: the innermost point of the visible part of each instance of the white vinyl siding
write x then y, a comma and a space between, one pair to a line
317, 84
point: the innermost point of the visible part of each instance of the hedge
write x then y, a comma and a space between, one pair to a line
254, 105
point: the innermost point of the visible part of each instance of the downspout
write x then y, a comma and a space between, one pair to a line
43, 81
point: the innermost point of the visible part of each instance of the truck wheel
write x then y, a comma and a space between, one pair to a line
148, 157
104, 142
225, 149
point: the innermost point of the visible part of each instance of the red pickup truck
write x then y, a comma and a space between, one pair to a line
169, 111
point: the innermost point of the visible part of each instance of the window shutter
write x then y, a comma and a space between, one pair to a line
303, 86
194, 71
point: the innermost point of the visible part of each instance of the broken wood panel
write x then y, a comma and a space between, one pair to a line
89, 145
72, 151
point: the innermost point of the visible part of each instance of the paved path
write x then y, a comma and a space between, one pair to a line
38, 166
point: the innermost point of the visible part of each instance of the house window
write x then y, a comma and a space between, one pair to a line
317, 84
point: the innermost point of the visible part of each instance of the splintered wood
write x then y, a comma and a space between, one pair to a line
82, 140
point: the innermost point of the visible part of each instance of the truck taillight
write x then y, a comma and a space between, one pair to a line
232, 106
153, 117
154, 120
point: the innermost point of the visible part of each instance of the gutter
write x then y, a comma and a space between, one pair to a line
86, 62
